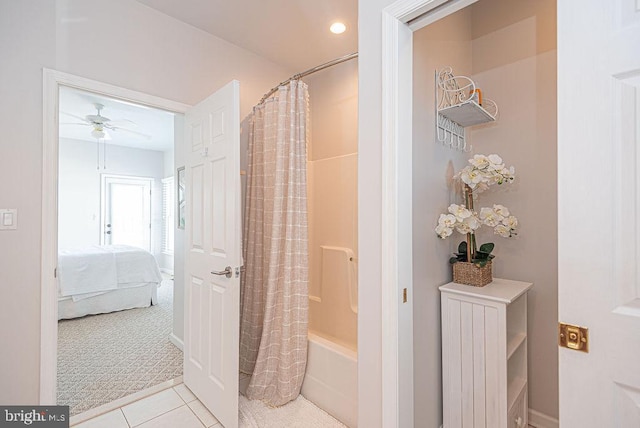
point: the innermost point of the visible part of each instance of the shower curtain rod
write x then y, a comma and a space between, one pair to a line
308, 72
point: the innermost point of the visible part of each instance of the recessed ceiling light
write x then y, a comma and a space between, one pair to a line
338, 28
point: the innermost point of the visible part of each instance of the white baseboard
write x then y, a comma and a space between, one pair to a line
176, 341
540, 420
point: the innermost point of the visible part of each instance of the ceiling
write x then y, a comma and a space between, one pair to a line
133, 119
292, 33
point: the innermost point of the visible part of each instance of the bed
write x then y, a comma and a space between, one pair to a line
108, 278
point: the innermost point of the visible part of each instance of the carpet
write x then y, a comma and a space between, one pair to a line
256, 414
105, 357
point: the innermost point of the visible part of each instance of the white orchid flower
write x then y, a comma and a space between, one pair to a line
502, 230
463, 228
511, 222
447, 220
459, 211
489, 217
471, 177
481, 173
501, 210
472, 222
495, 159
479, 161
443, 231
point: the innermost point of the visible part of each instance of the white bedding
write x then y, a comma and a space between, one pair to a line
141, 296
99, 269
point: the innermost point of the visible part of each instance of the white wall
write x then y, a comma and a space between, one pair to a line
514, 61
369, 206
150, 52
444, 43
27, 43
79, 205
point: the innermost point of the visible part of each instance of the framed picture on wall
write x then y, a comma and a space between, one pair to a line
181, 198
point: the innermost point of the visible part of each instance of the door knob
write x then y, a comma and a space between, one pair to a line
226, 272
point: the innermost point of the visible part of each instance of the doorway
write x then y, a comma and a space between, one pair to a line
116, 264
126, 214
54, 82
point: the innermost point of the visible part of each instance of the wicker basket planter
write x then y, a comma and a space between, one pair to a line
470, 274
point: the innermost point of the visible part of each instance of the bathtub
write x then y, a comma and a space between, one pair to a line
331, 381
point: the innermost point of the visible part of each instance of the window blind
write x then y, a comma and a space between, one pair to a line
168, 209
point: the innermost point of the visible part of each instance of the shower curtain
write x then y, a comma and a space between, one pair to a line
274, 299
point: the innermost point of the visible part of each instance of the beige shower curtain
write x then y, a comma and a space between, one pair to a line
274, 301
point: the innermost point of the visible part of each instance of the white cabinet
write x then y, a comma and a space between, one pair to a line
484, 355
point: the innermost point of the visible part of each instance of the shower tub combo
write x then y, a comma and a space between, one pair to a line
332, 363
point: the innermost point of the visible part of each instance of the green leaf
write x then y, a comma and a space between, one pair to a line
487, 248
459, 257
480, 263
462, 248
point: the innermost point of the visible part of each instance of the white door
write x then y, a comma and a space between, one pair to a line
126, 215
213, 222
599, 210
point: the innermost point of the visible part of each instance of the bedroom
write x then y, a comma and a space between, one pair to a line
116, 228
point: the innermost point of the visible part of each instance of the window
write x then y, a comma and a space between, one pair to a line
168, 208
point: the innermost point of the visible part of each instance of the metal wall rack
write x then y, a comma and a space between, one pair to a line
459, 104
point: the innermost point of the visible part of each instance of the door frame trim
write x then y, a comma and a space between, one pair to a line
399, 20
52, 80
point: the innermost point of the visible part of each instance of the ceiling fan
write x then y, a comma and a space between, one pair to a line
100, 124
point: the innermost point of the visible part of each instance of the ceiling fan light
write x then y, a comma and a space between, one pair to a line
98, 133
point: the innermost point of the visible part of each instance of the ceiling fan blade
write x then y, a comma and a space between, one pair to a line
75, 123
120, 122
97, 119
117, 129
77, 117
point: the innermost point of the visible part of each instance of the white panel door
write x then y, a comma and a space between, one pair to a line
213, 222
599, 210
126, 216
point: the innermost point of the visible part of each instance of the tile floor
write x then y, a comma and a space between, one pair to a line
170, 408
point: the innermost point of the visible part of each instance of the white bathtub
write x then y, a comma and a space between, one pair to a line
331, 380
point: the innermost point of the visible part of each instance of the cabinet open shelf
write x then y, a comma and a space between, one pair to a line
516, 386
514, 340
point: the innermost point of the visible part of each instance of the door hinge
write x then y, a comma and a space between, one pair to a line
404, 295
573, 337
55, 272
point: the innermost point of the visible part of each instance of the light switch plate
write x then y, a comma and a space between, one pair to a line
8, 219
